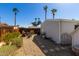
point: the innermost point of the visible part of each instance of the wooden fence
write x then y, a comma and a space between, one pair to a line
4, 30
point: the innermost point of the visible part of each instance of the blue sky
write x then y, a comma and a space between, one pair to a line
29, 11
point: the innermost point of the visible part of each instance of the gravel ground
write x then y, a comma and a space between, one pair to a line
50, 48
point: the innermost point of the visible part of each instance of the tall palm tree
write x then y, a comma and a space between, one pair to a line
53, 12
15, 10
45, 9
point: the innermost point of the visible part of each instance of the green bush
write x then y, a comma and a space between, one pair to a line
13, 38
17, 41
7, 50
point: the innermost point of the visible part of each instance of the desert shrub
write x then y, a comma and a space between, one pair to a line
15, 34
17, 41
7, 50
13, 38
8, 37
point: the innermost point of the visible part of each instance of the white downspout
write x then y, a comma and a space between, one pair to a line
59, 31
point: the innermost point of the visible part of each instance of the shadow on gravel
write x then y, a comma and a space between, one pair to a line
49, 48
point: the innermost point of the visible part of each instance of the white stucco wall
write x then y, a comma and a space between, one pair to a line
67, 27
75, 38
51, 29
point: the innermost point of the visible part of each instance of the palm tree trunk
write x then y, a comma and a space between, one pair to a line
0, 19
45, 15
53, 16
15, 19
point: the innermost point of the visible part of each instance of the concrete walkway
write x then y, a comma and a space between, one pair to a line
29, 48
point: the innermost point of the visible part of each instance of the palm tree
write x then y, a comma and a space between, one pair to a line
39, 22
36, 23
45, 9
15, 10
38, 18
35, 19
53, 12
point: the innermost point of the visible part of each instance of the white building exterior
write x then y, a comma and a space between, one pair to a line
59, 29
75, 37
